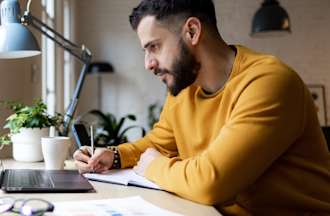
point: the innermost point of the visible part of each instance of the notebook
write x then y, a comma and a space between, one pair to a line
123, 177
31, 180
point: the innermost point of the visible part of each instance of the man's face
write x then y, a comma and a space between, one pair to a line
167, 55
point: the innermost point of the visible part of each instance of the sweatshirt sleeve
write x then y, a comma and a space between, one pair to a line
266, 118
160, 137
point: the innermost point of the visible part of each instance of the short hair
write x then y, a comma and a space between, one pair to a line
164, 9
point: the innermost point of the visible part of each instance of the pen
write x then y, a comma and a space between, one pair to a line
92, 140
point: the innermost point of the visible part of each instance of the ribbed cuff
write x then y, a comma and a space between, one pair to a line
127, 155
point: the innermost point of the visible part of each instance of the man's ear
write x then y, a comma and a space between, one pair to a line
192, 30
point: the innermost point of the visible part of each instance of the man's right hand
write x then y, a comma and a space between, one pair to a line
100, 162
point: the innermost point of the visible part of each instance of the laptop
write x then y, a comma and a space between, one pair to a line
37, 181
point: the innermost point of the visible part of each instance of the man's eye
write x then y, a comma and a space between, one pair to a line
153, 47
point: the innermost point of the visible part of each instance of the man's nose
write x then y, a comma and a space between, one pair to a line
151, 64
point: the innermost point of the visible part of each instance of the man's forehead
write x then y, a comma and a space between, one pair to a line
150, 29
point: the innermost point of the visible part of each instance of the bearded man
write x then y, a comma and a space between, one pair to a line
238, 129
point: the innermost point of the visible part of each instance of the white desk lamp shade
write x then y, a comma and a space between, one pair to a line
16, 40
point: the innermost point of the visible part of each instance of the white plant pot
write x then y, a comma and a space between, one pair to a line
27, 144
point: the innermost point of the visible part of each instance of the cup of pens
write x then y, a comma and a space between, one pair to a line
55, 150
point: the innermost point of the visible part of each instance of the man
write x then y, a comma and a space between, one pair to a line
238, 130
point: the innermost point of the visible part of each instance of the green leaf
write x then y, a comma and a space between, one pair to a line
5, 140
113, 131
34, 116
131, 117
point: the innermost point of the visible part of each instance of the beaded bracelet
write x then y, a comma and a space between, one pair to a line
116, 157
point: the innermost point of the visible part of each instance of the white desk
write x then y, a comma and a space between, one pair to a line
105, 191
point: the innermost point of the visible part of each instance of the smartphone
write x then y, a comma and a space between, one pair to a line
80, 134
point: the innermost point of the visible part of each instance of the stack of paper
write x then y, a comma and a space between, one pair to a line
130, 206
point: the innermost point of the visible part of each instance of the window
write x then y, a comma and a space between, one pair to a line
69, 76
57, 66
48, 58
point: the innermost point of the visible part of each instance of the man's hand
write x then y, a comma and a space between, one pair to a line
101, 161
145, 159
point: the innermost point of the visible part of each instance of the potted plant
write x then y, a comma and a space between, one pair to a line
26, 126
110, 131
154, 111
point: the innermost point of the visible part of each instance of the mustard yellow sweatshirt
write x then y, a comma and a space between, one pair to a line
254, 147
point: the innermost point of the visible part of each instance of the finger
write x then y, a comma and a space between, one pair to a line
101, 156
75, 154
102, 169
80, 156
98, 167
83, 167
95, 159
86, 150
96, 154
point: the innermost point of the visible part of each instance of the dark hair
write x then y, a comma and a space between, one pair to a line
164, 9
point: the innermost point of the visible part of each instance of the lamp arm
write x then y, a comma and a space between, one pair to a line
81, 53
35, 19
74, 101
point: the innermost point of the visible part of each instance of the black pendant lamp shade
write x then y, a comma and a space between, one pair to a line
100, 67
270, 20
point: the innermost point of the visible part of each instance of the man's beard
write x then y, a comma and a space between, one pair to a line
184, 70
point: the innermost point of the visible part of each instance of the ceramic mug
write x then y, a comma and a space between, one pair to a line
55, 150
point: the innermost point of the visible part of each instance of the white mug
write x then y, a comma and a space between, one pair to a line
55, 150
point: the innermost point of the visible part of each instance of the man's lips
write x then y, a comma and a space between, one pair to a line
162, 76
159, 73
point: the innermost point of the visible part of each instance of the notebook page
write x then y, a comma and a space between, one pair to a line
141, 181
122, 176
113, 176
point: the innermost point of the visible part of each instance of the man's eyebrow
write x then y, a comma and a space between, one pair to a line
149, 43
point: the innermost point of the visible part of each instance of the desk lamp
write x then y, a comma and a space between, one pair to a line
270, 20
16, 41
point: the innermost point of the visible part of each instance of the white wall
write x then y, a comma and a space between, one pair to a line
106, 31
103, 26
20, 80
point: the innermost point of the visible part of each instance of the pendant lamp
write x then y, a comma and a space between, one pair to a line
270, 20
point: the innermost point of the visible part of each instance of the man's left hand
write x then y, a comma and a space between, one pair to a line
145, 159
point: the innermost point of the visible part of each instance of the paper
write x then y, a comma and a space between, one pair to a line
110, 207
124, 177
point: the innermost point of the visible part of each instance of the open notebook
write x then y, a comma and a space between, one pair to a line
123, 177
